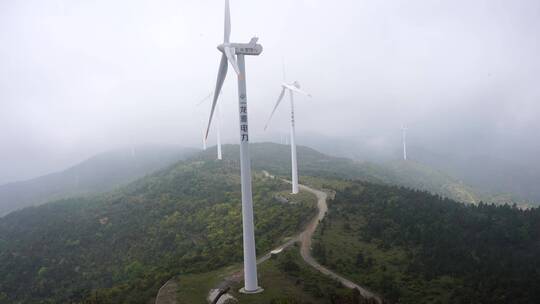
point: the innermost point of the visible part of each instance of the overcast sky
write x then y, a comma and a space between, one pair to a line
79, 77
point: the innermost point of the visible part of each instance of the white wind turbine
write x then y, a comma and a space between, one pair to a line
291, 88
218, 127
234, 53
404, 139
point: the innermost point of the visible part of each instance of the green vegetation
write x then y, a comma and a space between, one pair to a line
185, 221
276, 159
328, 184
122, 246
302, 197
285, 277
288, 280
414, 247
194, 288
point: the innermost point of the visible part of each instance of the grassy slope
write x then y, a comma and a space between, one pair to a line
383, 270
193, 288
285, 279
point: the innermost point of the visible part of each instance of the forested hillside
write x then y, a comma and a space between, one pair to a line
276, 159
100, 173
120, 247
414, 247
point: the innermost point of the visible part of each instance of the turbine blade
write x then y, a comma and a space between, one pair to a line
222, 72
297, 90
205, 99
227, 34
283, 67
230, 52
275, 107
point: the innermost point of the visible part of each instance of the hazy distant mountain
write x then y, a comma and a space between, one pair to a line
100, 173
497, 179
360, 147
276, 159
105, 171
490, 174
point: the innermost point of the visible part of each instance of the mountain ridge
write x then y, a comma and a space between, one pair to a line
105, 171
99, 173
275, 158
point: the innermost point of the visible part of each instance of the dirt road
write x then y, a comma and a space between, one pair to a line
305, 238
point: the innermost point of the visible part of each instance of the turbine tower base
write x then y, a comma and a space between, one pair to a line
244, 291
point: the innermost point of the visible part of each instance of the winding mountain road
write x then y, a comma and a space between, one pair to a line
305, 238
305, 249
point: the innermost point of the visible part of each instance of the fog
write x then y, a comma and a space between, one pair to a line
80, 77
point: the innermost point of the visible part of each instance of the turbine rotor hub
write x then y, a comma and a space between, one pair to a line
250, 48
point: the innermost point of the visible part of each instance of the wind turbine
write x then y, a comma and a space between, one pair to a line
292, 88
404, 139
218, 127
234, 53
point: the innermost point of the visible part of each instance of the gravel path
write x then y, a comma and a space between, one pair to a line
305, 249
305, 237
167, 293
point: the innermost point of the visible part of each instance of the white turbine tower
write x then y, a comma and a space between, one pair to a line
203, 141
218, 127
404, 139
291, 88
234, 53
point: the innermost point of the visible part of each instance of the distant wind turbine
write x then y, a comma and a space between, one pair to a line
218, 127
292, 88
234, 53
404, 139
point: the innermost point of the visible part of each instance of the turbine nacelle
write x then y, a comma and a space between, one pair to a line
295, 87
252, 48
291, 85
